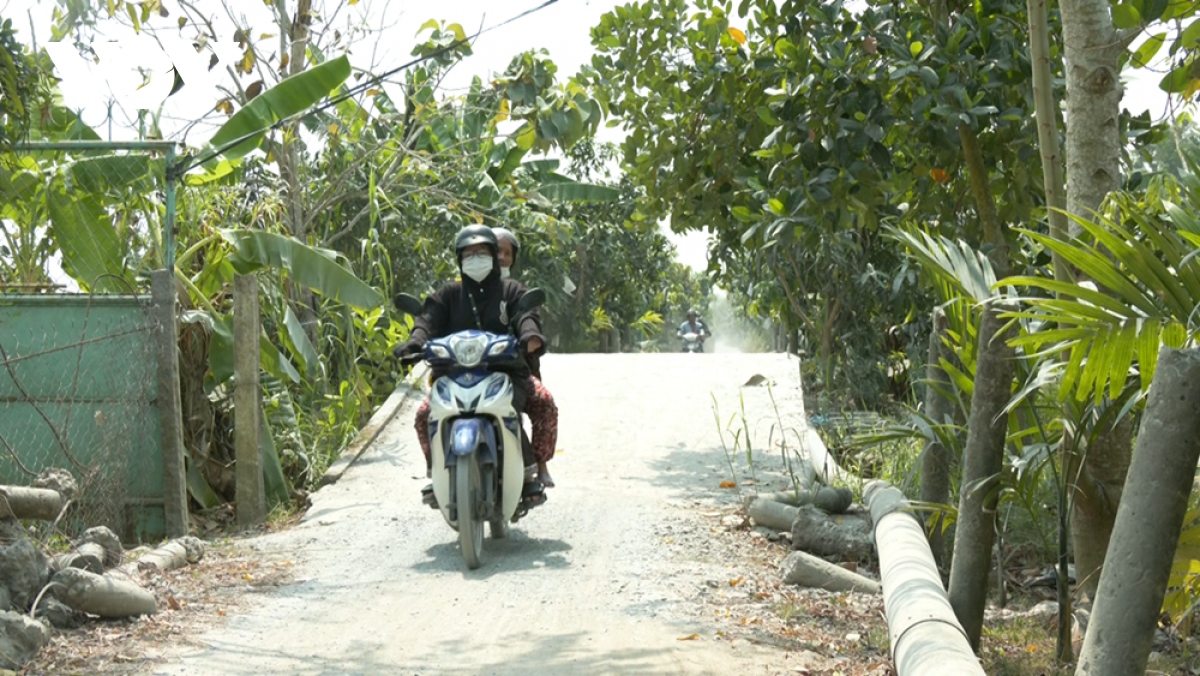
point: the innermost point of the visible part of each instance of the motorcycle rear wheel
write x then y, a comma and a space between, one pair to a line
470, 526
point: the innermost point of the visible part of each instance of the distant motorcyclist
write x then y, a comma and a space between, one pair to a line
696, 326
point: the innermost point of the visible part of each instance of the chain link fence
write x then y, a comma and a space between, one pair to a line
82, 225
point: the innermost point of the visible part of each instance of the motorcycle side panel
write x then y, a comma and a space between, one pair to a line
490, 397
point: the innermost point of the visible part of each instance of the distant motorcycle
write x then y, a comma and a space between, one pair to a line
475, 440
692, 342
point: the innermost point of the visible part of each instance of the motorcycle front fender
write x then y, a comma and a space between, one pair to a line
471, 435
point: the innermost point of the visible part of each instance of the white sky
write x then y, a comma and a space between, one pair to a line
562, 29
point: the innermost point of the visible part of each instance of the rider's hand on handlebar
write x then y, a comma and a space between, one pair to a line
408, 352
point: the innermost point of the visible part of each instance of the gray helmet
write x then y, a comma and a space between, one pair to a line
475, 234
693, 313
505, 233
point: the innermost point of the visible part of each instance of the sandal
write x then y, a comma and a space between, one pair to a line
533, 493
428, 498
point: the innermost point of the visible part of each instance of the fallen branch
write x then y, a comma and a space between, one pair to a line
807, 570
102, 595
29, 503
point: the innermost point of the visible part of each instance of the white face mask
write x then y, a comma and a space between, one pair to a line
505, 273
477, 267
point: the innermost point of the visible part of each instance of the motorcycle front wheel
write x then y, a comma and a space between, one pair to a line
470, 526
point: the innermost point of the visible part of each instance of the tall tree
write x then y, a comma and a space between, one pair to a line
1093, 49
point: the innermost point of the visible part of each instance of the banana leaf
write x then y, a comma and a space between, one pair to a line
274, 482
569, 191
315, 268
199, 489
294, 95
92, 252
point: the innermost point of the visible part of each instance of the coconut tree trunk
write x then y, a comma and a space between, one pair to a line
1092, 51
935, 461
1132, 586
983, 455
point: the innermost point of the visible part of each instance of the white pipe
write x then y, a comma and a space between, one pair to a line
925, 635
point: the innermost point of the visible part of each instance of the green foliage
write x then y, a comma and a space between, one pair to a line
25, 90
842, 122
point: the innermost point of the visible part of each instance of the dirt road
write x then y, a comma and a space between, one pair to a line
602, 579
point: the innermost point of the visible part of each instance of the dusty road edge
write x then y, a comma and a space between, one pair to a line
392, 406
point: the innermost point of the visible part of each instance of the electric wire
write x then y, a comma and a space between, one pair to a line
189, 163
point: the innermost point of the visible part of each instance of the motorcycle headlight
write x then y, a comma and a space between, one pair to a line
499, 347
468, 351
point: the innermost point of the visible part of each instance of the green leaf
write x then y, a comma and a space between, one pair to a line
1125, 15
1190, 38
274, 483
107, 172
216, 172
298, 340
291, 96
62, 124
915, 49
1148, 344
315, 268
1178, 79
91, 249
220, 350
1144, 54
578, 192
541, 166
765, 114
199, 489
1071, 372
1123, 347
432, 23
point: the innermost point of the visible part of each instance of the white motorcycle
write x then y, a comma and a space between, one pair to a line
475, 431
692, 342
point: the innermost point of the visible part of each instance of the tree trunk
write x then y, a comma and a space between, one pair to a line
983, 458
1047, 122
935, 461
1097, 495
1092, 52
983, 455
1142, 549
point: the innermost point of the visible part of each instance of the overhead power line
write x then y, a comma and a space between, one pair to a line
190, 163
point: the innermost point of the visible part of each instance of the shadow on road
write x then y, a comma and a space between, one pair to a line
517, 552
696, 474
566, 653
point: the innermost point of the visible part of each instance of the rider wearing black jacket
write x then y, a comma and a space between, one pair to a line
482, 300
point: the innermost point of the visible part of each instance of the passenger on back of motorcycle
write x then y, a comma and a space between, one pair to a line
693, 325
509, 247
482, 300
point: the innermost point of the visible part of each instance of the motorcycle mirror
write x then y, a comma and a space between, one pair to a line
408, 304
532, 298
